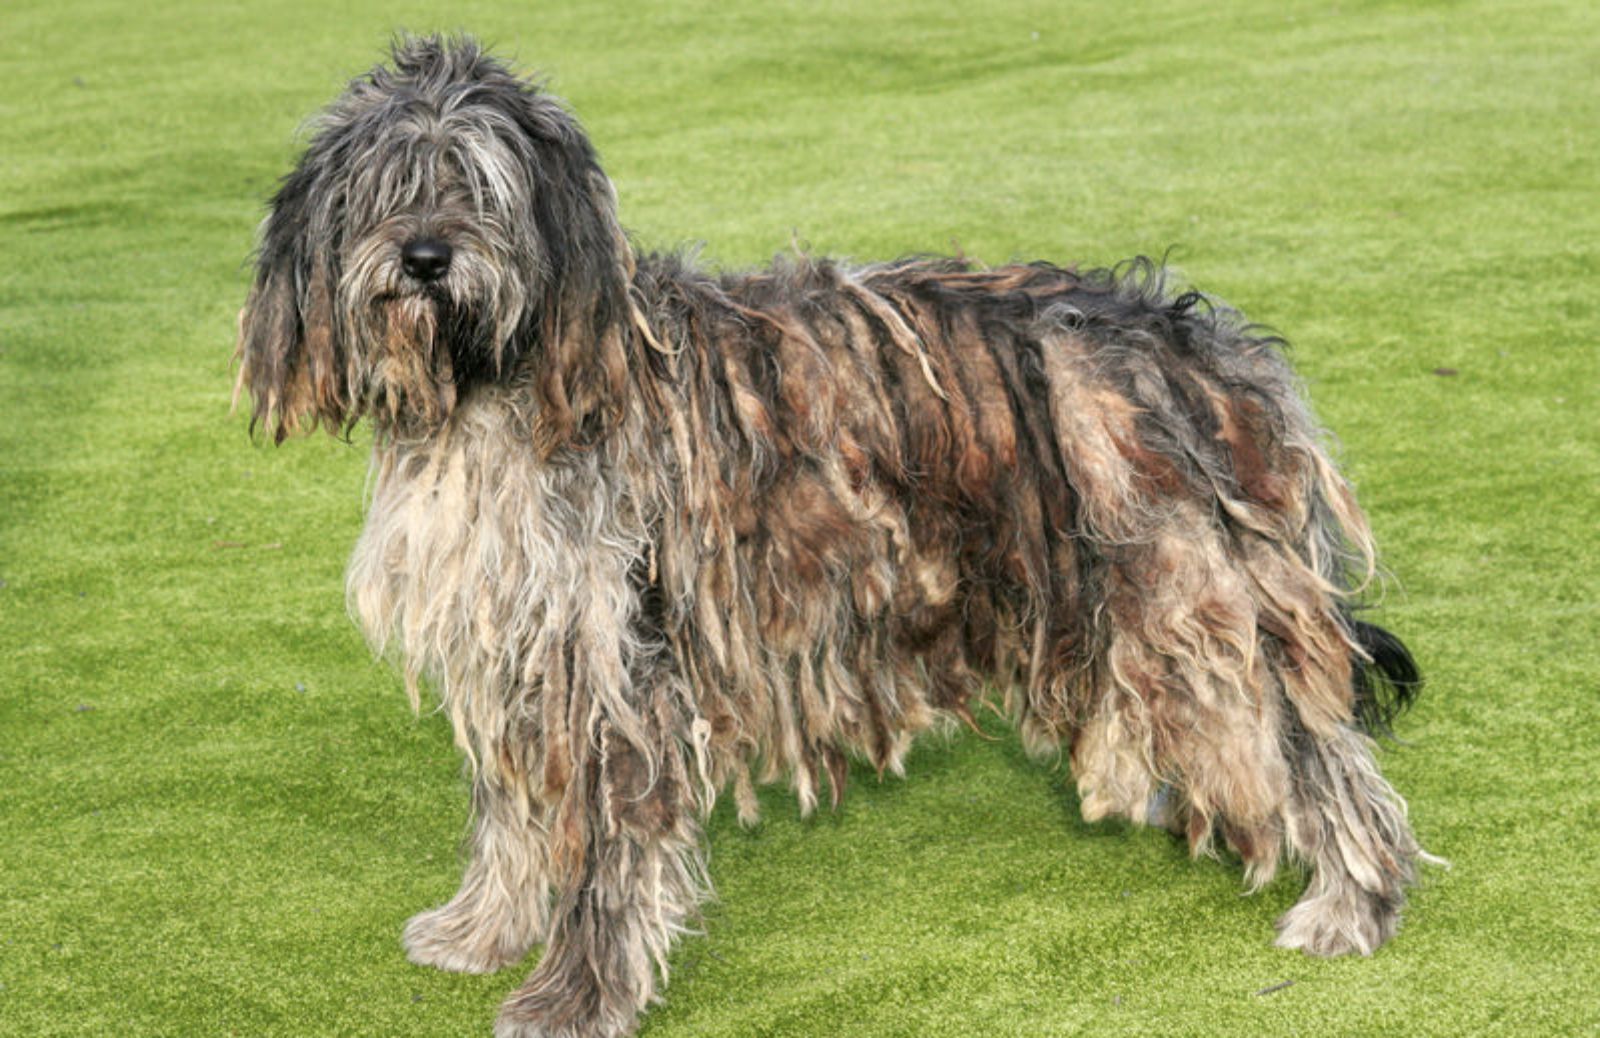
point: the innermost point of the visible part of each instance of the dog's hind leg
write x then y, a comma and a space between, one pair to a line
1220, 536
1185, 726
501, 908
1349, 823
1340, 815
1190, 703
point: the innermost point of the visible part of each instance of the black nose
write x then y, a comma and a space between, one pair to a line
425, 259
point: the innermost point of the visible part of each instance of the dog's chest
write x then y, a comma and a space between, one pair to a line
477, 558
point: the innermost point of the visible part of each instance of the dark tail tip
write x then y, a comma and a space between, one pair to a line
1386, 682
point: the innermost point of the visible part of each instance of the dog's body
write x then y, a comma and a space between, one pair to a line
653, 533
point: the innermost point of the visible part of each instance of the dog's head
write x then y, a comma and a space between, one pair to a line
449, 225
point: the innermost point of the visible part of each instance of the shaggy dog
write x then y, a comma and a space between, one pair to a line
654, 532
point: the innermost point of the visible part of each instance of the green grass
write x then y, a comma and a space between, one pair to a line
216, 811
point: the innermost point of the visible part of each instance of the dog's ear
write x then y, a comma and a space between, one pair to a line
584, 324
290, 354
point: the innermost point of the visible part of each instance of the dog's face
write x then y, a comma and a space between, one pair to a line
447, 222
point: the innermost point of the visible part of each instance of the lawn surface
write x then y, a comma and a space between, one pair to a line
216, 811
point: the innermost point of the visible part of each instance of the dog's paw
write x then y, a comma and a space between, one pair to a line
564, 998
522, 1025
1338, 924
449, 938
540, 1015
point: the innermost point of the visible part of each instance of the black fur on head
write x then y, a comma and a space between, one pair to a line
448, 148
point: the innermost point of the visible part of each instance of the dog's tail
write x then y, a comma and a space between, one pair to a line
1384, 674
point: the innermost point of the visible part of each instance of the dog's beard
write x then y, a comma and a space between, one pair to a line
414, 385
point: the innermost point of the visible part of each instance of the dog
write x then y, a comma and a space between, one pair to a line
653, 533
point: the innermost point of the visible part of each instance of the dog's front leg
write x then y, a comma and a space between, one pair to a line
502, 906
628, 875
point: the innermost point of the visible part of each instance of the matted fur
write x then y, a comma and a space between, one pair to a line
653, 532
